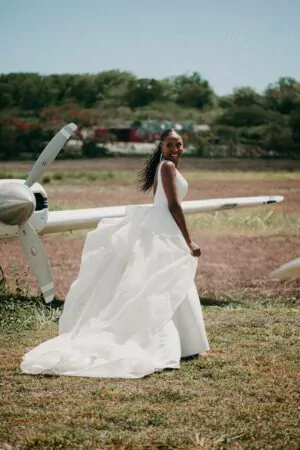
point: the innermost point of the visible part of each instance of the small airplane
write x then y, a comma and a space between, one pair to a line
24, 212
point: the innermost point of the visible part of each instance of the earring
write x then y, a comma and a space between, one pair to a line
161, 158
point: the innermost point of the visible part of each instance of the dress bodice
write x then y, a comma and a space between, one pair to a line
160, 196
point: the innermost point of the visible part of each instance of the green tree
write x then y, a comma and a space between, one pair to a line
225, 101
112, 87
294, 123
193, 91
33, 92
246, 96
278, 138
60, 88
10, 144
144, 91
283, 96
245, 116
84, 90
6, 93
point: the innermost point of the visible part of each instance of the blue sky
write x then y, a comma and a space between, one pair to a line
231, 43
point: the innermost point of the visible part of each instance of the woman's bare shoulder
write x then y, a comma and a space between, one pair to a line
168, 168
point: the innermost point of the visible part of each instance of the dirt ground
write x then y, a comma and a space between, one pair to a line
187, 163
233, 264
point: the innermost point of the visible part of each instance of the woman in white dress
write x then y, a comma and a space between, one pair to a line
134, 307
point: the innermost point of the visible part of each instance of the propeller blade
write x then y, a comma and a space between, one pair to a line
36, 257
50, 152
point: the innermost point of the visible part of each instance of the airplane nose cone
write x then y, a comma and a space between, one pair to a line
17, 203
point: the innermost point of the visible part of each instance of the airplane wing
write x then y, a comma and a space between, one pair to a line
80, 219
289, 270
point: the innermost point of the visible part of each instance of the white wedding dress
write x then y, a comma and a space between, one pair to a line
134, 308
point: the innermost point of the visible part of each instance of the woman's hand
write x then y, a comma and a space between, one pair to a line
195, 249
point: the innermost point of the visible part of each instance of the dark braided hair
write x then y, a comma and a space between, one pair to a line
147, 174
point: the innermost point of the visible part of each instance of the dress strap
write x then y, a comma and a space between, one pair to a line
159, 170
159, 188
159, 180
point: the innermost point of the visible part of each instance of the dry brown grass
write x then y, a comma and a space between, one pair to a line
243, 395
187, 163
239, 248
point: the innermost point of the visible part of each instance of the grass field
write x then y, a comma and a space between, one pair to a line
243, 395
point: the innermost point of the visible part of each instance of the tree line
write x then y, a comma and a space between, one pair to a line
243, 123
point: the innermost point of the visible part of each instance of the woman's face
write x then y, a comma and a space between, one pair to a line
172, 147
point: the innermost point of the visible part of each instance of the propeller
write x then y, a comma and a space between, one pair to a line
37, 259
17, 205
50, 153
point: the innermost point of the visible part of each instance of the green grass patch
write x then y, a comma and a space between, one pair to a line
128, 175
76, 176
241, 175
260, 220
8, 174
20, 312
244, 394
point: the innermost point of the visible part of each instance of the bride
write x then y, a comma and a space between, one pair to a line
134, 307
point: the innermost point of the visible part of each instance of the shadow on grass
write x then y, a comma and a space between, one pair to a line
58, 303
29, 300
220, 302
16, 297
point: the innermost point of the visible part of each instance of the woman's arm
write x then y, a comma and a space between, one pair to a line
168, 178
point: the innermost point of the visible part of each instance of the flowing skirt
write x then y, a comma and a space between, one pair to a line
133, 309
